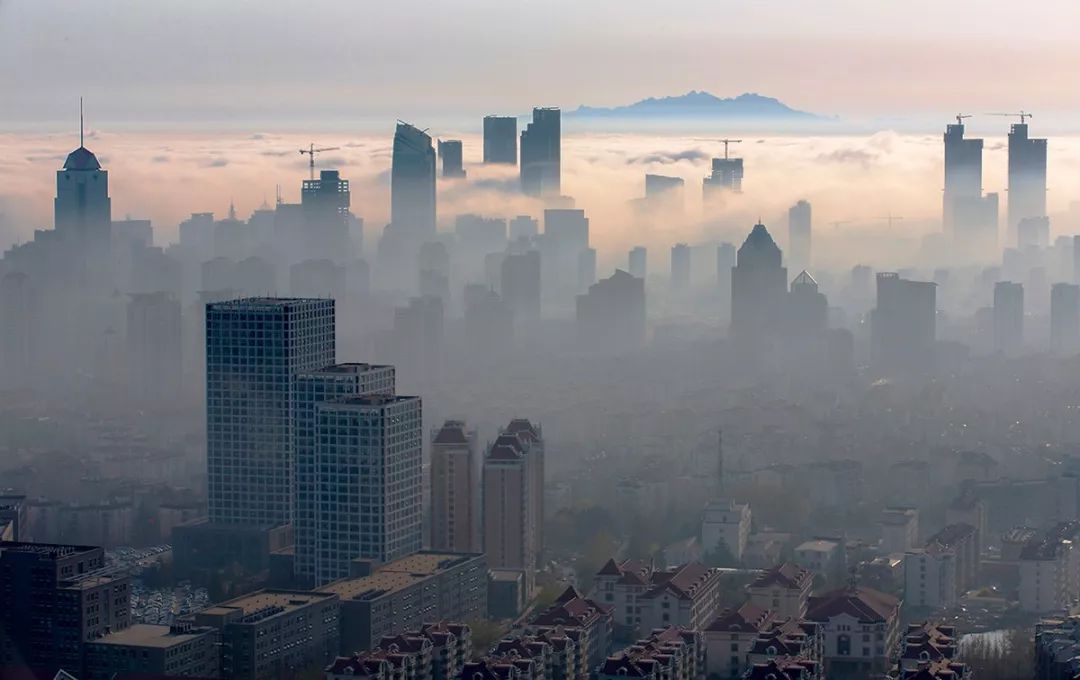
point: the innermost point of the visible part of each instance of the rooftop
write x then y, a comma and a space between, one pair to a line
148, 635
82, 159
353, 368
266, 303
54, 550
266, 600
397, 575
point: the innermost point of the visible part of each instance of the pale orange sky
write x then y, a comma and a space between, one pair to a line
206, 60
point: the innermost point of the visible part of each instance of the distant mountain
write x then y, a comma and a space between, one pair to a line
701, 105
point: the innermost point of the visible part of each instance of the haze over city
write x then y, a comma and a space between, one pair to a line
539, 341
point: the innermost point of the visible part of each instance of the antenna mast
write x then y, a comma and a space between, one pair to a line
80, 122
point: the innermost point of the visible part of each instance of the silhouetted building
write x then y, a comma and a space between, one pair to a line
520, 284
1027, 176
82, 208
452, 158
903, 326
808, 309
566, 231
418, 336
314, 504
1065, 317
433, 270
637, 262
1008, 317
513, 482
524, 227
1033, 232
53, 600
541, 154
963, 172
586, 269
454, 488
612, 314
500, 139
799, 236
154, 351
758, 286
412, 184
145, 650
680, 267
325, 204
727, 175
663, 192
489, 321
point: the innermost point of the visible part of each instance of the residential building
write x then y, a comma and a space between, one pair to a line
925, 645
179, 650
726, 527
899, 529
500, 139
860, 631
642, 598
520, 284
513, 473
903, 326
154, 354
670, 653
1008, 317
1050, 570
586, 622
784, 669
53, 600
823, 556
454, 488
730, 637
273, 633
312, 500
1065, 317
402, 595
1057, 648
369, 485
784, 590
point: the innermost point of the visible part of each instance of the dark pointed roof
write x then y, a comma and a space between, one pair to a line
759, 237
452, 432
804, 279
863, 604
82, 159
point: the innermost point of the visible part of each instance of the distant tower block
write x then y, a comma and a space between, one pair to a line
451, 155
500, 139
799, 236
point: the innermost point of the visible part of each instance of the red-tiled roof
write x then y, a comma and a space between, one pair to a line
864, 604
786, 575
748, 618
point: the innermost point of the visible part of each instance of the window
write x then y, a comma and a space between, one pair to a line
843, 645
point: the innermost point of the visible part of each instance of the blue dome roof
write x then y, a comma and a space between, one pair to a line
82, 159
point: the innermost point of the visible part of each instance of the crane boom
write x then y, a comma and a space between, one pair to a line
725, 142
1024, 115
311, 151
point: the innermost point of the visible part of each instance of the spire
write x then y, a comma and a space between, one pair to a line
232, 210
81, 127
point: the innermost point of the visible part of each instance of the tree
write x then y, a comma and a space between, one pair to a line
485, 634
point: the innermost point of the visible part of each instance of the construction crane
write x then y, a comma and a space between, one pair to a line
1024, 115
961, 116
311, 151
890, 218
725, 142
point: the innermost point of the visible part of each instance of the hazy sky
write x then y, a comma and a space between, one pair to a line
180, 60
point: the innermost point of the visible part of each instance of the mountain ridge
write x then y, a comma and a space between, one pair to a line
699, 103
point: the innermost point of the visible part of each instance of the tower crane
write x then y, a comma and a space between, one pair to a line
311, 151
1024, 115
890, 218
961, 116
725, 142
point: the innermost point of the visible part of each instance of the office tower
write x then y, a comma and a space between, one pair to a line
611, 315
369, 485
482, 235
513, 499
523, 227
255, 347
519, 284
454, 488
500, 139
324, 203
586, 270
662, 192
412, 184
1065, 317
541, 155
726, 176
1008, 316
82, 210
154, 351
1033, 232
758, 286
318, 278
637, 262
433, 269
903, 326
680, 267
313, 475
808, 309
53, 600
799, 236
452, 163
1027, 176
726, 258
566, 231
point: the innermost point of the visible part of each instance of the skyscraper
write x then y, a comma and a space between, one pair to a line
369, 488
541, 154
808, 309
454, 488
311, 501
680, 267
154, 349
1008, 316
758, 286
611, 315
325, 205
799, 236
903, 326
519, 283
412, 183
82, 210
451, 156
727, 175
1065, 317
637, 262
500, 139
1027, 176
963, 173
586, 270
255, 348
513, 499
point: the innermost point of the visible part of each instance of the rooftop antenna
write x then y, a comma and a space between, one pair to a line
80, 123
311, 151
725, 142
